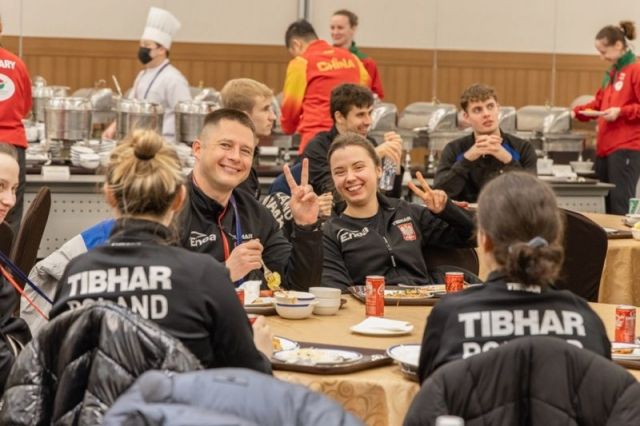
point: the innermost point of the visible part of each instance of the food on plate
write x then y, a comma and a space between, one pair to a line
317, 356
277, 344
407, 293
637, 225
622, 351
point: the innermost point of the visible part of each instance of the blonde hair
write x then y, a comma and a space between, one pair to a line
241, 93
144, 174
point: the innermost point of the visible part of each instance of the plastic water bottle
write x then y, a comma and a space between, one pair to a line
388, 174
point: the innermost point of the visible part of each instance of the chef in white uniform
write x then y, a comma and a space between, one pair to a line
159, 81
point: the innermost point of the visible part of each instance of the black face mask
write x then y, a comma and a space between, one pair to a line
144, 55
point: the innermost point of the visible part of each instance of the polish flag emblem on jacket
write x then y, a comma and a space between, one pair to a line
407, 231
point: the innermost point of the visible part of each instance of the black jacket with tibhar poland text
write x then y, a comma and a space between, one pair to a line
481, 318
188, 294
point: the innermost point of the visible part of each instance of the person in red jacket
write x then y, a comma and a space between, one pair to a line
316, 68
15, 104
617, 107
343, 27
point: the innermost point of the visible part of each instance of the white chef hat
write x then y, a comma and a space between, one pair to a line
161, 27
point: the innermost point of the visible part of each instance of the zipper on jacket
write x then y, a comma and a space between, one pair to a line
390, 250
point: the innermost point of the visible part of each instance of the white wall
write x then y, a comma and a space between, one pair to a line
568, 26
208, 21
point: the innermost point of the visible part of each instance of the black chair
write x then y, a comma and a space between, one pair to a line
536, 380
6, 238
585, 250
465, 257
27, 243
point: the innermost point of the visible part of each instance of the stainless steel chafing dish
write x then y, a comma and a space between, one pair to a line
41, 94
507, 118
190, 119
548, 128
428, 124
103, 101
383, 119
137, 114
67, 119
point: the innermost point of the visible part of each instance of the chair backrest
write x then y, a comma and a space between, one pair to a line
25, 249
6, 238
585, 250
465, 257
530, 381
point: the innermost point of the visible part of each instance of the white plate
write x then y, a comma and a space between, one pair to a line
591, 113
430, 287
380, 331
313, 356
609, 230
264, 302
287, 345
634, 356
408, 355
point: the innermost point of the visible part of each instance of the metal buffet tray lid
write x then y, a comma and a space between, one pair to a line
544, 119
433, 116
384, 117
138, 106
507, 118
196, 107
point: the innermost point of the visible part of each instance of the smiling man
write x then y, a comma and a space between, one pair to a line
254, 99
231, 225
468, 163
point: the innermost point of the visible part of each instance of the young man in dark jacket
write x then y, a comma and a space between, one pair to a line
231, 225
468, 163
254, 99
351, 108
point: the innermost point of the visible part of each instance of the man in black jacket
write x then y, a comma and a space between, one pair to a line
468, 163
351, 108
233, 226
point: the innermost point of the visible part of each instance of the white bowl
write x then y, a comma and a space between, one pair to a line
87, 164
581, 166
325, 292
294, 297
295, 311
327, 306
636, 233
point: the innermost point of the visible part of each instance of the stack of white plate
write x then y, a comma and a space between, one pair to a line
184, 152
76, 151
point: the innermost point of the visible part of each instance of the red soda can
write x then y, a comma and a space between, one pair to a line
240, 294
374, 302
454, 281
625, 324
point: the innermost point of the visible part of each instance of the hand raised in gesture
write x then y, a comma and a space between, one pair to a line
434, 199
304, 202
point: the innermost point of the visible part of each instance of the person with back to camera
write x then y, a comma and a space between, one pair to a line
343, 27
617, 108
188, 294
316, 68
521, 231
468, 163
377, 235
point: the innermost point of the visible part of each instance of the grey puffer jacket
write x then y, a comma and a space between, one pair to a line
226, 396
82, 361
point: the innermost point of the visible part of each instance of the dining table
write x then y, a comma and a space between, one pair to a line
378, 396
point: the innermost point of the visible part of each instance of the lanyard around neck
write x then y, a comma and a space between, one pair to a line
227, 249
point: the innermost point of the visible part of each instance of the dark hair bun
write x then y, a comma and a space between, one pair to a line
628, 29
539, 265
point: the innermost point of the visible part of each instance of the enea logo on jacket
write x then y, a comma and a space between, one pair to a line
196, 239
346, 234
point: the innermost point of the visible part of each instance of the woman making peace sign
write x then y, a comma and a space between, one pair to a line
376, 235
